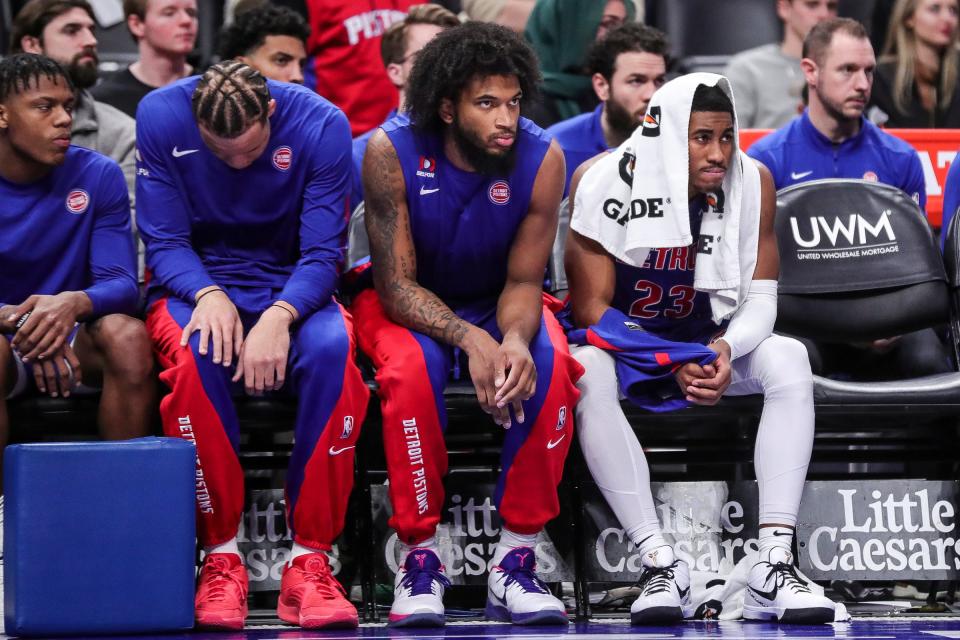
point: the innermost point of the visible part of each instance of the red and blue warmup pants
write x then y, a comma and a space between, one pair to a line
412, 372
331, 405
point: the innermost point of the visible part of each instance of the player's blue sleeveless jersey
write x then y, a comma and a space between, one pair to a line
69, 231
659, 296
581, 138
464, 223
279, 223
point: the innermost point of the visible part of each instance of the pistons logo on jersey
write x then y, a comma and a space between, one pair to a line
77, 201
282, 158
427, 167
499, 192
347, 427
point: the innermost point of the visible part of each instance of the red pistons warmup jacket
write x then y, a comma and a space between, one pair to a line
345, 65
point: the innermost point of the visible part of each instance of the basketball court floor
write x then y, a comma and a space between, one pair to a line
885, 628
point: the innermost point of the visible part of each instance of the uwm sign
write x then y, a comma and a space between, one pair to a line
936, 148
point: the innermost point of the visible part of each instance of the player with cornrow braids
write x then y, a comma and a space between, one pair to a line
242, 187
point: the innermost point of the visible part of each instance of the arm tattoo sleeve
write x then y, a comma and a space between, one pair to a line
393, 255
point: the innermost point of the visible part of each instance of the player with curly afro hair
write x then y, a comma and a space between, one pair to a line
460, 207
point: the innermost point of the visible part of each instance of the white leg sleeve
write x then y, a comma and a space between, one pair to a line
610, 447
779, 369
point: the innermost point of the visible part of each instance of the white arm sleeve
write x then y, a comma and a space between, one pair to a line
753, 321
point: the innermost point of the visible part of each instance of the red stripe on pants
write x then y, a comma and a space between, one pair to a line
530, 489
328, 477
412, 434
188, 413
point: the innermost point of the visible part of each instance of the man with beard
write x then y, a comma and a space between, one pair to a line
64, 30
462, 212
833, 139
626, 66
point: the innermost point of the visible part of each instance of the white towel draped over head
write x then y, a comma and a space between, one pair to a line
636, 199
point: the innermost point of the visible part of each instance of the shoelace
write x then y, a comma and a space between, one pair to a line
317, 572
656, 579
420, 581
216, 577
526, 579
786, 576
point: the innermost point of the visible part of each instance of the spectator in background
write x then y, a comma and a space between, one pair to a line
165, 32
64, 30
767, 81
627, 67
344, 64
398, 49
916, 81
561, 32
269, 38
833, 139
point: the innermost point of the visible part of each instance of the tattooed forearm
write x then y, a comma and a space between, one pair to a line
392, 251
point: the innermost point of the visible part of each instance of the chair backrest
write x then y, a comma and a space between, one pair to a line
358, 244
951, 260
556, 273
717, 27
858, 262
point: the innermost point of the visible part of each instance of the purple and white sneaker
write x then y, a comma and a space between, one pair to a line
418, 591
515, 593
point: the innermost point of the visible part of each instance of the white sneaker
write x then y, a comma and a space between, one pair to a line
515, 593
776, 592
418, 591
664, 594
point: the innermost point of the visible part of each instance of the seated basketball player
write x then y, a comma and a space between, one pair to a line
461, 210
242, 186
68, 283
687, 321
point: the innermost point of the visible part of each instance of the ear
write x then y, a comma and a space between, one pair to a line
271, 107
601, 87
135, 26
811, 72
783, 9
446, 110
31, 44
395, 73
3, 117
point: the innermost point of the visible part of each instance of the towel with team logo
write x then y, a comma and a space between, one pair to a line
635, 199
644, 362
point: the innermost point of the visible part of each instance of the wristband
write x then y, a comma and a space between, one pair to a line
293, 318
200, 297
23, 320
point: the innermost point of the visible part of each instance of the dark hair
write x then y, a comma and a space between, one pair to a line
22, 70
458, 55
135, 8
34, 17
817, 42
707, 98
627, 38
393, 44
230, 97
251, 28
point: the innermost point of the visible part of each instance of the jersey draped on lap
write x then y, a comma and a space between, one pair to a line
69, 231
463, 226
272, 231
660, 299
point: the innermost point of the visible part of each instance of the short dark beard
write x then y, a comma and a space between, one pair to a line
83, 75
621, 121
478, 158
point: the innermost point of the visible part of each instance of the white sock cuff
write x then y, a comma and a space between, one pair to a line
230, 546
512, 540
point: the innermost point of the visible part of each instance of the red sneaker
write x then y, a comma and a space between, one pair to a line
312, 598
221, 600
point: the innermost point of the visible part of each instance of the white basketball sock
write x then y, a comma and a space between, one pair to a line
509, 541
230, 546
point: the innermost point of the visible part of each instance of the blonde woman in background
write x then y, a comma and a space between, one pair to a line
916, 81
